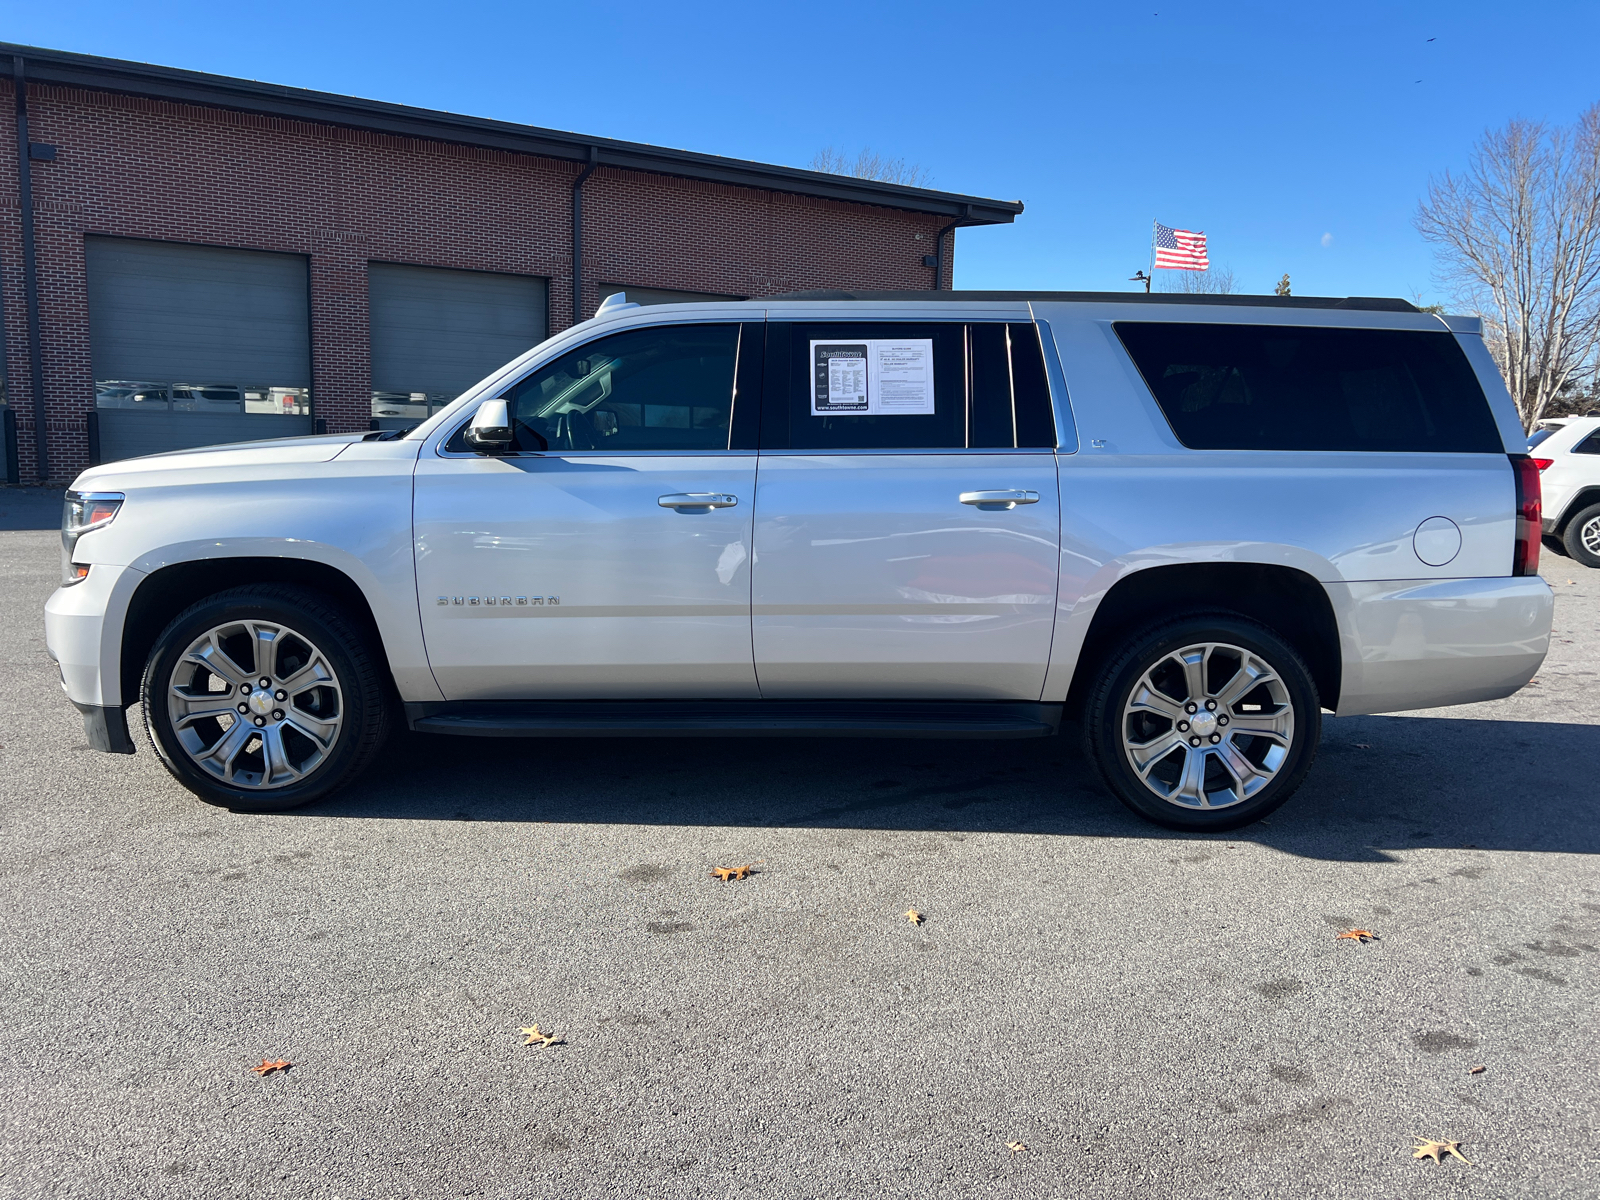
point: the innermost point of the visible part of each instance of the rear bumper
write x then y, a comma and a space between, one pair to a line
1410, 644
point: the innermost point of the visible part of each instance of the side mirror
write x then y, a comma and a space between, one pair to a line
490, 431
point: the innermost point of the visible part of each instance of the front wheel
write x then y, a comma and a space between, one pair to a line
264, 698
1204, 724
1582, 536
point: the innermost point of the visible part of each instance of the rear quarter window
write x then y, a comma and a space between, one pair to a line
1289, 387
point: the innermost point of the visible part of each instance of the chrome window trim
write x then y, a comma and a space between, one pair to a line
442, 453
1060, 399
733, 312
878, 453
908, 452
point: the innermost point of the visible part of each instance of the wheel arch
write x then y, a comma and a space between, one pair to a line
166, 592
1286, 599
1584, 498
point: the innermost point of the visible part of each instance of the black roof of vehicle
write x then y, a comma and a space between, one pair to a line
1363, 303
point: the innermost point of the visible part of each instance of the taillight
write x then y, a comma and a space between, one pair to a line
1525, 554
1543, 463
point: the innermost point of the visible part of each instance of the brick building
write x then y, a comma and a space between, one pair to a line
189, 258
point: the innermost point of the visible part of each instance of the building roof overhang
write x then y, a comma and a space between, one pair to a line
246, 95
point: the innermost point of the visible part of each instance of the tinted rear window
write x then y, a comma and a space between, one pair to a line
1288, 387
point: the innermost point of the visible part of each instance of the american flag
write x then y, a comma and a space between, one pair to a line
1180, 249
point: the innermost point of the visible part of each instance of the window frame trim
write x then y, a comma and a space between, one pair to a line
1171, 429
441, 439
778, 402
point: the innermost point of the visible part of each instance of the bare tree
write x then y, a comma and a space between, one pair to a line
1519, 239
1218, 281
869, 164
1580, 397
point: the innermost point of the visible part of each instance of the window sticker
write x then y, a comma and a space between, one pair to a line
839, 377
878, 377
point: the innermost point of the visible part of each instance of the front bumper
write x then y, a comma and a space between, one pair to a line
83, 631
1409, 644
106, 728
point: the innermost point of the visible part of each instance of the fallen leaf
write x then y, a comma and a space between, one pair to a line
1434, 1149
1477, 1070
914, 916
267, 1068
536, 1038
1015, 1147
1359, 935
1362, 745
727, 873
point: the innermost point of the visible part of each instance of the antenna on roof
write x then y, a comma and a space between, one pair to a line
615, 302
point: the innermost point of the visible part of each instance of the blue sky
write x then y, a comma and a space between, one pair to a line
1298, 136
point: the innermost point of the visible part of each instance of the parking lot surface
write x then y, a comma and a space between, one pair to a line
1150, 1014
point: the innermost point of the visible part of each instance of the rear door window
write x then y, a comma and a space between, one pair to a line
1284, 387
907, 386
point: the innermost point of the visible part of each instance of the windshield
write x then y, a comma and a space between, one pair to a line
1538, 436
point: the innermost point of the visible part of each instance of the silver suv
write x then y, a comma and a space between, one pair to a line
1188, 525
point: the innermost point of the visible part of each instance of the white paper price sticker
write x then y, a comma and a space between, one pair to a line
874, 377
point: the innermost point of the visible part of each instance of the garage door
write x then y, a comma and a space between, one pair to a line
436, 332
194, 345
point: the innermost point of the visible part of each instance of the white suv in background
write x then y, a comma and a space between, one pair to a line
1189, 524
1567, 453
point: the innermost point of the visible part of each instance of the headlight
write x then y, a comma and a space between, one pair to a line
83, 512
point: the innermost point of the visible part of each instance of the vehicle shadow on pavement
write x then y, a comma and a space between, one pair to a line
1380, 784
29, 508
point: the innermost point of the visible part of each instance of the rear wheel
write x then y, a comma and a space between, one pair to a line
1207, 723
263, 698
1582, 536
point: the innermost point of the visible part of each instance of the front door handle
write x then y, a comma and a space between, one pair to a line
697, 501
998, 501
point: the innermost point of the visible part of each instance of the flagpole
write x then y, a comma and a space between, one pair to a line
1151, 275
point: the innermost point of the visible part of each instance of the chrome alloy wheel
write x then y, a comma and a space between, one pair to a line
1589, 536
255, 705
1208, 726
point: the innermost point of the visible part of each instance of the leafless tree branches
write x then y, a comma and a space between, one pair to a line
1518, 234
1218, 281
869, 164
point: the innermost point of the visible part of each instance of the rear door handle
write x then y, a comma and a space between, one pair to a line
703, 501
998, 501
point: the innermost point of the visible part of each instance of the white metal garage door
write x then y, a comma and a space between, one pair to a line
436, 332
195, 345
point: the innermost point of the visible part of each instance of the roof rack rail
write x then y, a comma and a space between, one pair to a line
1363, 303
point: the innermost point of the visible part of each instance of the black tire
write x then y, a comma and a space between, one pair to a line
1108, 719
354, 698
1582, 533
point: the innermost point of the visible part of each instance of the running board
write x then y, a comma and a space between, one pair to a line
736, 718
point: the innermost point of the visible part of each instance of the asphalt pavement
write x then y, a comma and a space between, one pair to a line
1150, 1014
